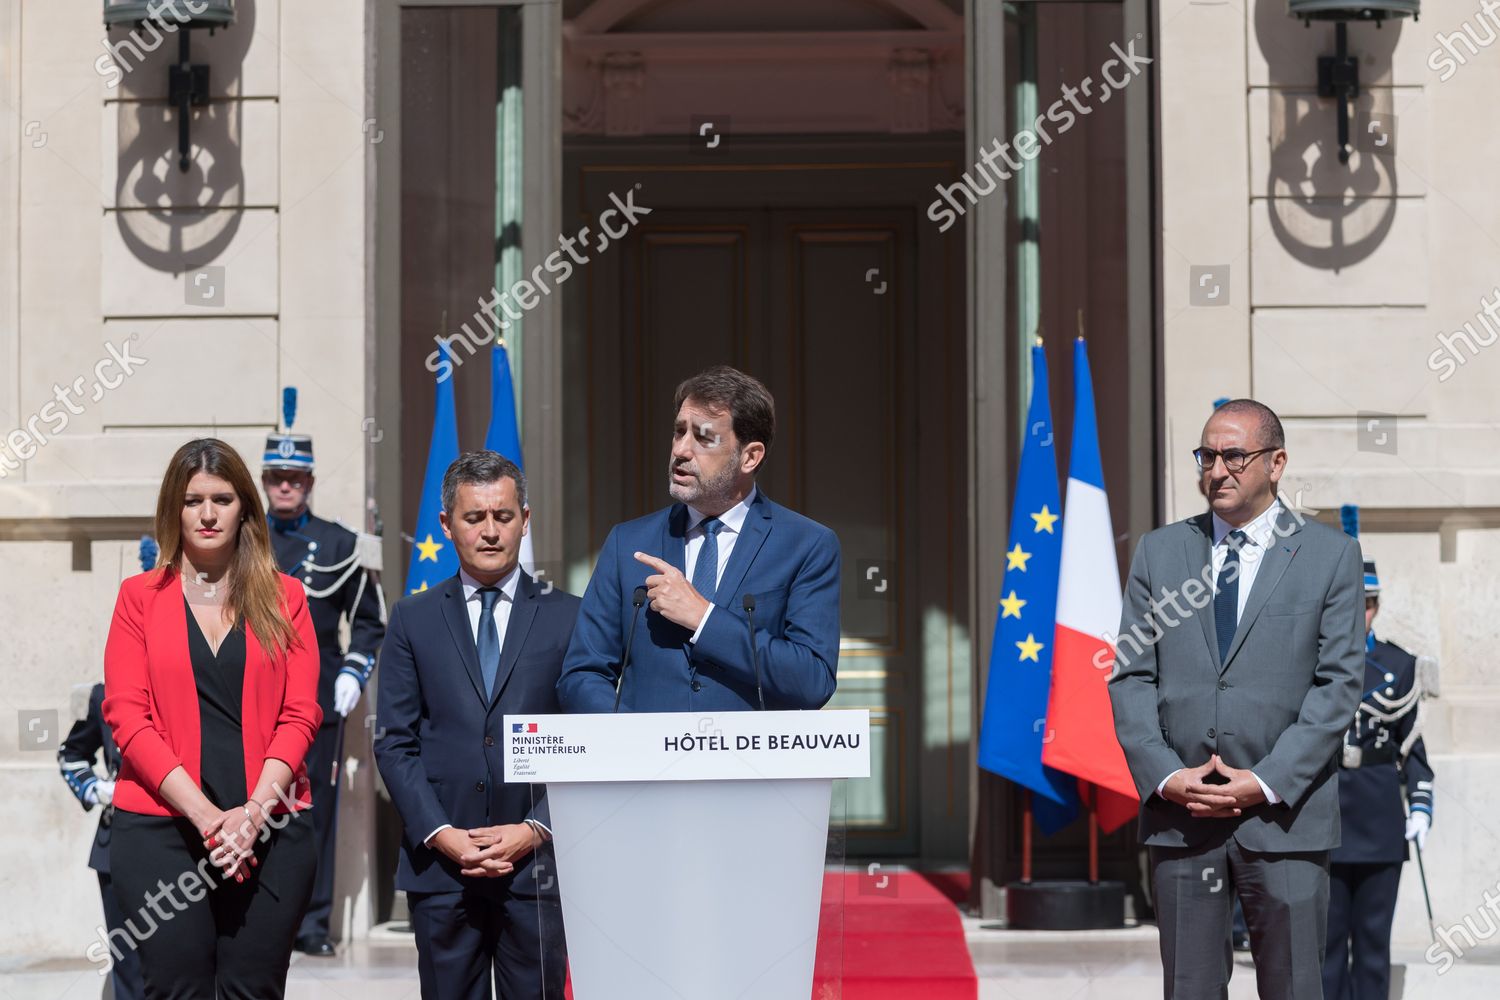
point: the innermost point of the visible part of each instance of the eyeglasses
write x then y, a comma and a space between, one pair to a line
1235, 459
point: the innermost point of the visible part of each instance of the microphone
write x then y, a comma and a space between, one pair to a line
636, 600
748, 603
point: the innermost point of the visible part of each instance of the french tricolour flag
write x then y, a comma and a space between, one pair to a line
1088, 609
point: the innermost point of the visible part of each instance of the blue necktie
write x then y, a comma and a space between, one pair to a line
1227, 595
488, 641
706, 570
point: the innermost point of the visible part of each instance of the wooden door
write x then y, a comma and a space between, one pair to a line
845, 313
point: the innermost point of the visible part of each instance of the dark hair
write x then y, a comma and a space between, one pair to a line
1271, 435
480, 468
254, 580
752, 410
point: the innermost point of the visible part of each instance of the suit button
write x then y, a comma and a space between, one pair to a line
1223, 685
1210, 734
697, 686
489, 741
478, 786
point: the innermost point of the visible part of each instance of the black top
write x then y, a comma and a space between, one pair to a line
221, 684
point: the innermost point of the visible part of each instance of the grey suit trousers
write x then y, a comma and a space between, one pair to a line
1285, 898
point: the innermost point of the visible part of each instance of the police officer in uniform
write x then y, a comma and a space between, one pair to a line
89, 737
1383, 753
326, 557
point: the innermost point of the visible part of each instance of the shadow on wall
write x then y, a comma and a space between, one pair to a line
1327, 214
172, 220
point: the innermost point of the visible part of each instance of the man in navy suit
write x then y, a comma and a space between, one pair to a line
691, 650
476, 862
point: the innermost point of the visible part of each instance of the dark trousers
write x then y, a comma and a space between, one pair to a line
125, 976
1285, 898
325, 814
197, 933
1361, 908
462, 936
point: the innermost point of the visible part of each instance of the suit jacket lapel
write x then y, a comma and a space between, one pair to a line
1199, 547
753, 534
1277, 557
522, 614
456, 614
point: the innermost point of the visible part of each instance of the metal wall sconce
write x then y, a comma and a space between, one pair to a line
187, 85
1338, 74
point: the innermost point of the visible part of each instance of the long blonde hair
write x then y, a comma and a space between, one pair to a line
254, 580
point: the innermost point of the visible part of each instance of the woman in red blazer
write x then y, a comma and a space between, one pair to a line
210, 679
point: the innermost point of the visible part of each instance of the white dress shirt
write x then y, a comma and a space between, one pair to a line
1259, 534
474, 604
733, 520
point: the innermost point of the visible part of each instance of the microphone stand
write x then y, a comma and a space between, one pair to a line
636, 600
748, 603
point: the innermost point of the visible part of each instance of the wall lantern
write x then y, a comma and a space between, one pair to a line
187, 85
1338, 74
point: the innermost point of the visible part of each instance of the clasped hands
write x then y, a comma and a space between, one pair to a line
487, 851
1203, 800
230, 836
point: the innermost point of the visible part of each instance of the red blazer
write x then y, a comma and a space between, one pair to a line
151, 698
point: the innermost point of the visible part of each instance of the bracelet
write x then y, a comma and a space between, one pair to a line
248, 814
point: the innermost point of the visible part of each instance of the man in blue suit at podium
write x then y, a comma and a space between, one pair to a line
722, 601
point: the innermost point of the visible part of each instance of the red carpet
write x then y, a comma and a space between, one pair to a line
899, 941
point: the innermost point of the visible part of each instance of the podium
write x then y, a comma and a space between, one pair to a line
689, 848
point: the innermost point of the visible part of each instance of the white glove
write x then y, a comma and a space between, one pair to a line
1417, 825
346, 691
105, 790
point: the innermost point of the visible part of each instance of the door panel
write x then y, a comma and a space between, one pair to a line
837, 277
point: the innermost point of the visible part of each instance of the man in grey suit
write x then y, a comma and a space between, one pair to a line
1231, 709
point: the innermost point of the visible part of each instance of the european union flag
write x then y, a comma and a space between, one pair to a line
1014, 728
432, 555
504, 433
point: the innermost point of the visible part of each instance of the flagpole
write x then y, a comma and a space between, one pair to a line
1093, 835
1026, 839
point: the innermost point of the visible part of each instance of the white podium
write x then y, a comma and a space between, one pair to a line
690, 848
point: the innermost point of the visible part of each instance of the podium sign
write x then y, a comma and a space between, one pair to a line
690, 848
679, 746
